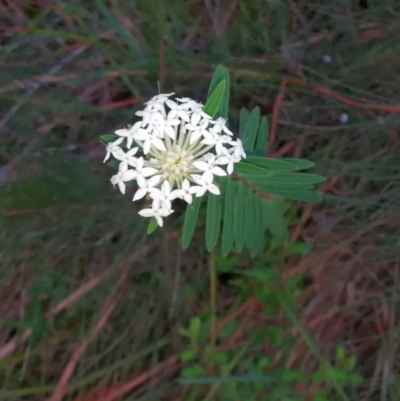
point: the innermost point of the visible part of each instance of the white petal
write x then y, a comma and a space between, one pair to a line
195, 119
142, 182
230, 168
159, 144
156, 194
159, 220
153, 181
170, 132
175, 194
201, 192
201, 165
140, 193
194, 137
214, 189
121, 186
147, 146
208, 141
141, 134
166, 188
218, 171
129, 175
188, 198
146, 212
148, 171
208, 177
121, 132
185, 184
198, 179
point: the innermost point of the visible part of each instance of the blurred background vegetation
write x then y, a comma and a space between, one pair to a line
93, 309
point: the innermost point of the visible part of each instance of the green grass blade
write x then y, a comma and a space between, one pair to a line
215, 99
228, 226
189, 224
262, 136
115, 24
274, 220
213, 221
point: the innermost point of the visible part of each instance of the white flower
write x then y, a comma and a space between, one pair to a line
113, 148
178, 110
229, 159
156, 212
166, 125
148, 116
187, 191
149, 139
237, 149
220, 126
197, 130
216, 140
129, 134
127, 158
142, 171
178, 150
205, 184
209, 167
164, 195
123, 176
146, 186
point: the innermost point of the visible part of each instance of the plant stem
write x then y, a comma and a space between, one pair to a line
213, 301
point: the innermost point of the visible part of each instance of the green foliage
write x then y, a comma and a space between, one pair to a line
244, 373
251, 202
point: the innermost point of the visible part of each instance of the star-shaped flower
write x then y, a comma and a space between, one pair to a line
127, 158
156, 212
204, 185
165, 195
146, 186
209, 167
113, 148
123, 176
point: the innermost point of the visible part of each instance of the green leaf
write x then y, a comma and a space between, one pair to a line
188, 354
284, 179
244, 169
250, 218
296, 193
250, 129
152, 225
258, 228
213, 221
262, 136
108, 137
221, 74
189, 224
214, 101
301, 164
228, 227
274, 220
271, 164
299, 248
240, 216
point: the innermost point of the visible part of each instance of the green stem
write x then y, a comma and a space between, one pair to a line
213, 302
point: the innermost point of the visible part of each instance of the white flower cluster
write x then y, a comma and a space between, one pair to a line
181, 150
